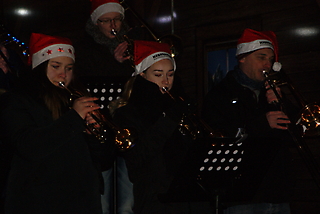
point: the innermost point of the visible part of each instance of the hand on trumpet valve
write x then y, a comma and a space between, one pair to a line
271, 96
84, 105
277, 120
92, 124
120, 53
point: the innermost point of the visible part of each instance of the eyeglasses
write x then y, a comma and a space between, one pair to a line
108, 21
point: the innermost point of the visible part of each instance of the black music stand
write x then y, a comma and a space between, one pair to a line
214, 164
106, 89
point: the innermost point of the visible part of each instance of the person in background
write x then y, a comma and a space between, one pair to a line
244, 103
56, 165
102, 59
100, 52
11, 68
160, 147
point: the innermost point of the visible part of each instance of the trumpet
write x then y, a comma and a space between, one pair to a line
124, 138
309, 117
309, 123
174, 41
125, 38
191, 124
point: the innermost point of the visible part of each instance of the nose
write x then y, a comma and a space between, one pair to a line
63, 73
268, 64
112, 23
165, 80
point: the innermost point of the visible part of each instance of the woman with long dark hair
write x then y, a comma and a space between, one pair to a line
56, 165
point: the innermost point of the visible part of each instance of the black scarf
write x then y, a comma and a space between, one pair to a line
243, 79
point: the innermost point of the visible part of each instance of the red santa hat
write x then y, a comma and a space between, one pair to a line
100, 7
44, 47
146, 53
252, 40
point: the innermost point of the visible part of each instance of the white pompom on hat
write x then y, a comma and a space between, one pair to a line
146, 53
44, 47
252, 40
100, 7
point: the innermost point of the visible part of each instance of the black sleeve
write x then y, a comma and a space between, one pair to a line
26, 125
150, 139
102, 153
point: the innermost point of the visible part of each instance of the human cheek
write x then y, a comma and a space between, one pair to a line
170, 79
260, 75
106, 30
158, 82
117, 26
51, 75
68, 77
109, 35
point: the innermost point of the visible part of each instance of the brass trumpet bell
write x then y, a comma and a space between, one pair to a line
124, 139
174, 43
310, 120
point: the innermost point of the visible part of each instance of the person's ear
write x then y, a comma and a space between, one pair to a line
143, 75
242, 60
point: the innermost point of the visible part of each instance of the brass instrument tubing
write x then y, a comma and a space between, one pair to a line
124, 138
205, 126
91, 113
301, 145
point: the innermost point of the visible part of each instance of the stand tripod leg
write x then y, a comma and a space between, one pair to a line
217, 204
307, 156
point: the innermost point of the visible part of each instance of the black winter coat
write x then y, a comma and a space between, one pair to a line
96, 60
56, 167
265, 173
159, 149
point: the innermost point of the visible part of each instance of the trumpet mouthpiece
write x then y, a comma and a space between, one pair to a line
62, 84
165, 89
113, 32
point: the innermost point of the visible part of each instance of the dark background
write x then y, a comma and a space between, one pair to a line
205, 26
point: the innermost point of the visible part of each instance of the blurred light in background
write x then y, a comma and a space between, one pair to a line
22, 12
306, 31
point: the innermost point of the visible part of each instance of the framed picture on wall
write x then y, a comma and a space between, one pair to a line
219, 62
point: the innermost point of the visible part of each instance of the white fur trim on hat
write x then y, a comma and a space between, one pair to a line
276, 66
106, 8
150, 60
52, 51
253, 46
